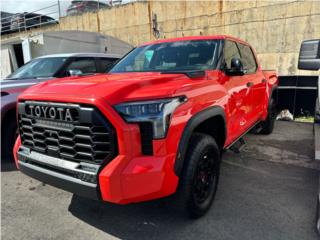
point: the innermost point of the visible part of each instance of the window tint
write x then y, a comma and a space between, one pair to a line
230, 51
247, 58
86, 65
107, 63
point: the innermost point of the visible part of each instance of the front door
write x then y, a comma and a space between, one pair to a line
238, 91
256, 83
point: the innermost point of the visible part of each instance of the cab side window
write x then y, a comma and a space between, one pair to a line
247, 58
230, 51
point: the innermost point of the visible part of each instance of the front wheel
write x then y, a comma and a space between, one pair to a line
199, 181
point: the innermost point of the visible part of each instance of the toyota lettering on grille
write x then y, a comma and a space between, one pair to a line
51, 112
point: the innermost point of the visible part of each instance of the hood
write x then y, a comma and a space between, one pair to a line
115, 87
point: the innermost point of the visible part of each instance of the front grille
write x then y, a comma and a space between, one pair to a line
89, 137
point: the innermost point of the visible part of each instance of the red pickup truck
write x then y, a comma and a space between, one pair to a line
155, 125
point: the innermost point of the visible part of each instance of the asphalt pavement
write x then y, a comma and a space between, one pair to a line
268, 191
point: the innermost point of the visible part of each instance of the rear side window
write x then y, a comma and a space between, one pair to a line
230, 51
85, 65
248, 58
106, 64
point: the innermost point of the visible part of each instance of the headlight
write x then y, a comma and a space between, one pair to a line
157, 112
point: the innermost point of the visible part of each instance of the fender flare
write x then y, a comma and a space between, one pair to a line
267, 106
6, 109
274, 88
273, 95
193, 122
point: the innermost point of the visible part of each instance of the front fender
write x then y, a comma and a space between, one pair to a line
195, 121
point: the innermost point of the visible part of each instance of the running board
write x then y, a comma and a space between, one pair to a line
240, 138
257, 128
238, 145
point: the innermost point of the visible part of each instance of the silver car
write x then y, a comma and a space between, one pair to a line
38, 70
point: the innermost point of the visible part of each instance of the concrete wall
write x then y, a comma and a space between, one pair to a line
274, 28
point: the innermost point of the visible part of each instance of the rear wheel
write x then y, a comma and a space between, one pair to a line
268, 124
199, 181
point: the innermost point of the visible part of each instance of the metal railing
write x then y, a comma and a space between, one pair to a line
51, 14
82, 6
22, 21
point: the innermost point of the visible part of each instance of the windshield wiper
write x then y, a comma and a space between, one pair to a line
19, 78
43, 77
10, 78
188, 73
33, 77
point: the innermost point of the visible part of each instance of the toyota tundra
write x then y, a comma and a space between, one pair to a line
155, 125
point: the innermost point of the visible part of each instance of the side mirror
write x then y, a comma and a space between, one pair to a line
74, 72
236, 69
309, 56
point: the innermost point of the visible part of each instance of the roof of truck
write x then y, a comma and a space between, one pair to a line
105, 55
188, 38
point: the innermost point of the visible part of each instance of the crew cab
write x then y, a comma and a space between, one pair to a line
156, 125
39, 70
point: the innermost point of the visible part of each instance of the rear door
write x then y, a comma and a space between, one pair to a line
256, 83
238, 105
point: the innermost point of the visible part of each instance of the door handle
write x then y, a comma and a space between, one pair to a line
249, 84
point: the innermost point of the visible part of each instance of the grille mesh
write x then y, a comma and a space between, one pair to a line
91, 139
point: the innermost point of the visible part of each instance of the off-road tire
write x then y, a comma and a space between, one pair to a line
201, 171
268, 124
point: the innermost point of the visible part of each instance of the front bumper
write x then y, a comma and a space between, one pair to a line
59, 173
142, 178
88, 190
130, 176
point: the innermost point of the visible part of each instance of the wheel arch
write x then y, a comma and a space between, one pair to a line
273, 96
8, 113
273, 92
205, 121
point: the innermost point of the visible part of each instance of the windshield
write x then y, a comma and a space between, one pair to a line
170, 56
39, 68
